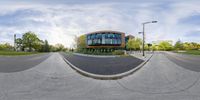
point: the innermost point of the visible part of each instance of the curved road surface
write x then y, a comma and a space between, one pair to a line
20, 63
186, 61
103, 65
52, 79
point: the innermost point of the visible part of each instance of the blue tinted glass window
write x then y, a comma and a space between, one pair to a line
103, 39
118, 41
115, 41
103, 35
93, 36
109, 41
96, 36
89, 42
110, 35
118, 36
112, 41
89, 36
94, 41
99, 36
106, 41
99, 41
106, 35
115, 36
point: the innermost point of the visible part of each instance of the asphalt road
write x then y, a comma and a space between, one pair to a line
10, 64
105, 65
53, 79
190, 62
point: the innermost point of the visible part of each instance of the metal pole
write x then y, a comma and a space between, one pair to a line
143, 33
14, 42
143, 40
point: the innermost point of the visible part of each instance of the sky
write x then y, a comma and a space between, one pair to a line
60, 21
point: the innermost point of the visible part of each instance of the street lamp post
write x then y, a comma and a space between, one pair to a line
14, 42
143, 33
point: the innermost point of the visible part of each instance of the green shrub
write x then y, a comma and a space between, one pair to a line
118, 52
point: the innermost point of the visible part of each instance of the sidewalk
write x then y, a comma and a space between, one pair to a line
139, 55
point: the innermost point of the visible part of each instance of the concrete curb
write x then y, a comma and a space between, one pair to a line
21, 55
98, 56
106, 77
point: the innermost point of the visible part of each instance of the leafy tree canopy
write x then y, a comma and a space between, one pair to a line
134, 44
31, 40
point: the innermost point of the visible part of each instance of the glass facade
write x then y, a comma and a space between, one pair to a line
114, 39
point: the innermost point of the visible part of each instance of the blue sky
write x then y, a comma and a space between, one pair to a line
59, 21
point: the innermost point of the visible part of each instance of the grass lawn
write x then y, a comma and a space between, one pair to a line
193, 52
14, 53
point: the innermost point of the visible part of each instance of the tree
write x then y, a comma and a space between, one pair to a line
6, 46
194, 46
186, 46
59, 47
155, 47
56, 48
199, 46
191, 46
31, 40
129, 44
134, 44
81, 43
148, 46
18, 41
18, 45
178, 45
46, 46
52, 48
138, 43
39, 45
165, 45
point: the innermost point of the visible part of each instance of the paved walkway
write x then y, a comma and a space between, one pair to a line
139, 55
53, 79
